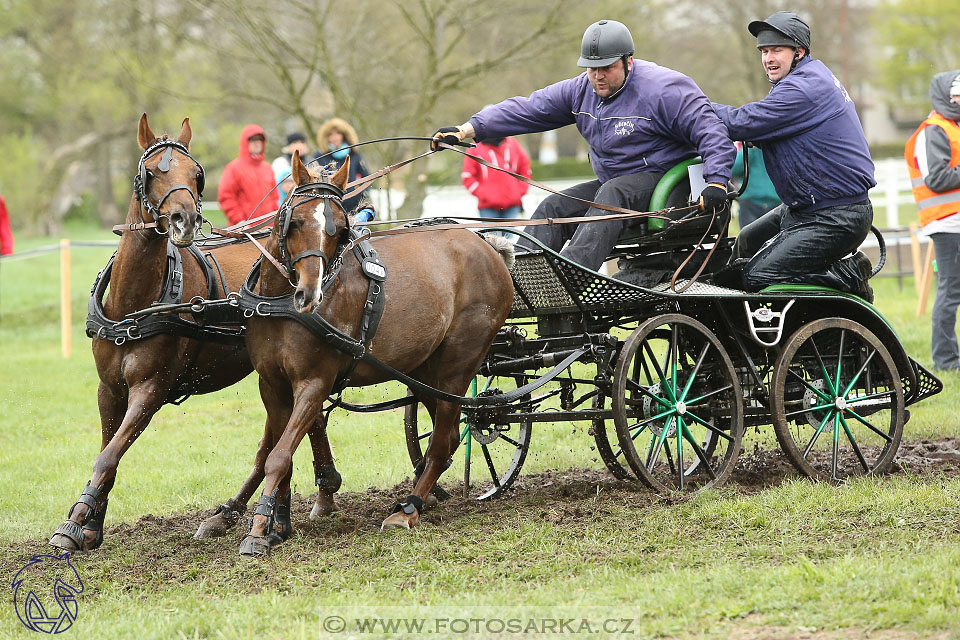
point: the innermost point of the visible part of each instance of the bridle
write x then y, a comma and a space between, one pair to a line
311, 191
163, 146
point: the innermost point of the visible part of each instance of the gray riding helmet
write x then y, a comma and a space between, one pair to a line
604, 43
783, 28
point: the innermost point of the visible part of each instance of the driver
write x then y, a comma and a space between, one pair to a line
818, 160
640, 119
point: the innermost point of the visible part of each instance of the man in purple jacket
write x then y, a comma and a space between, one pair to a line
639, 119
818, 160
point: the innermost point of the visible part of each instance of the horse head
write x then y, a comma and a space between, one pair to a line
169, 183
310, 225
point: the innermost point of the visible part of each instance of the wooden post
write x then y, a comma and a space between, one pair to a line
65, 298
915, 256
926, 280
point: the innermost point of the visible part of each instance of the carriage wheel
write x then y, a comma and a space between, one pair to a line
612, 458
677, 405
493, 454
837, 401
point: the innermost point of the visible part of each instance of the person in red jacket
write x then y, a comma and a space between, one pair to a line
247, 179
6, 236
498, 194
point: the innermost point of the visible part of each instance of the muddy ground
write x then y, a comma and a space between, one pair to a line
364, 511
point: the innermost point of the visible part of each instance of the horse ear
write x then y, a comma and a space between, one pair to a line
299, 172
145, 135
340, 178
185, 133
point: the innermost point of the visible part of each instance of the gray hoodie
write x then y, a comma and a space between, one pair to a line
941, 177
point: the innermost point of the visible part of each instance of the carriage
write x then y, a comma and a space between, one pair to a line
668, 374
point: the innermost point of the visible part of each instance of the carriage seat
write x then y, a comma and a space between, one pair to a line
654, 248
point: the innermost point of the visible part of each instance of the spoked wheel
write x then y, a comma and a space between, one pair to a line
677, 405
492, 454
604, 435
837, 401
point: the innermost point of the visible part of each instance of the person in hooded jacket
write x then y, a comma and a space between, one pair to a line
246, 188
816, 156
933, 160
640, 120
498, 194
333, 139
6, 236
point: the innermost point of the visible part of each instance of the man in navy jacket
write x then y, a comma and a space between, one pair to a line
640, 119
817, 157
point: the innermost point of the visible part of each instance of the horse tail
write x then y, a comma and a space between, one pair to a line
503, 246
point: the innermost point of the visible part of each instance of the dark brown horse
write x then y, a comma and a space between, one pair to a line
138, 376
446, 296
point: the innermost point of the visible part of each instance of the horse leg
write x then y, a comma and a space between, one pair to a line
266, 527
325, 471
228, 514
83, 529
443, 443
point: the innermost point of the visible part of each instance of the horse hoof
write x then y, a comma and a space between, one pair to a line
323, 508
399, 520
70, 536
214, 527
255, 547
431, 501
66, 543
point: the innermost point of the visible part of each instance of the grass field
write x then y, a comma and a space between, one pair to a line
876, 557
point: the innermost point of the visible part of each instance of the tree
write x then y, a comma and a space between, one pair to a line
919, 39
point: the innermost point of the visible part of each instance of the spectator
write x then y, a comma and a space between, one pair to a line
247, 186
333, 139
933, 159
760, 195
498, 194
296, 141
6, 235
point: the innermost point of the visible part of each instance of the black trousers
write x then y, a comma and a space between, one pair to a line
590, 244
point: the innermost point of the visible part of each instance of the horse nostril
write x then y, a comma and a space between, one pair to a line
299, 298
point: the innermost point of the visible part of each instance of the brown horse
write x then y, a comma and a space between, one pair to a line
138, 376
447, 295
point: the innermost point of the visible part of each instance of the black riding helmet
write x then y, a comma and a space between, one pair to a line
604, 43
781, 29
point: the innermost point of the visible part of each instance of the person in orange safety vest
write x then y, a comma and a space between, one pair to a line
933, 158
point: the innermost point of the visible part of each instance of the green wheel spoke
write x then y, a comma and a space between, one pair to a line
694, 401
703, 423
843, 335
700, 453
655, 453
853, 442
819, 407
660, 373
649, 394
644, 423
696, 369
816, 434
809, 386
674, 356
680, 476
823, 368
862, 421
871, 396
863, 368
836, 447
